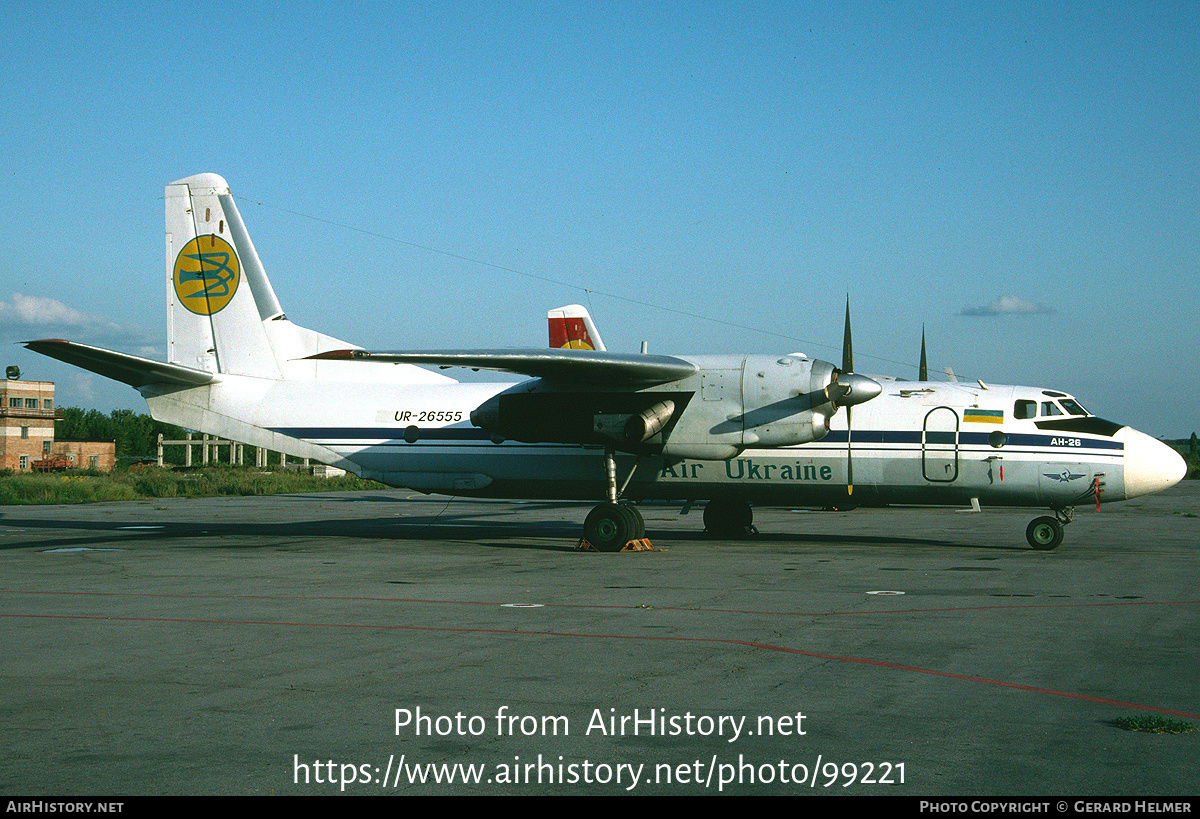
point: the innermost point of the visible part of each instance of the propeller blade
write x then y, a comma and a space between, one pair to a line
923, 374
848, 387
847, 344
849, 457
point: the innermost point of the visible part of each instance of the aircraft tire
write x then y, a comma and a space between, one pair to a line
1044, 533
727, 518
639, 523
609, 526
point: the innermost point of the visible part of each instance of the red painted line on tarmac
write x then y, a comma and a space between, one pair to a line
859, 612
984, 680
725, 640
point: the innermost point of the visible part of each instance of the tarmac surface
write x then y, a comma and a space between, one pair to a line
357, 642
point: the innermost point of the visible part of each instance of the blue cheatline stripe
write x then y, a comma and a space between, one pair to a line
384, 433
877, 436
861, 437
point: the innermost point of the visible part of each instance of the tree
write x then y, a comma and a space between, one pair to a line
135, 433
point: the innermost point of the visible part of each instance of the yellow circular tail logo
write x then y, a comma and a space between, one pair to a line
207, 274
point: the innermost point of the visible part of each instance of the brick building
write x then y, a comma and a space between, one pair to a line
27, 430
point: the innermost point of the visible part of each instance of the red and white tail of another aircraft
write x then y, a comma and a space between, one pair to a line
571, 327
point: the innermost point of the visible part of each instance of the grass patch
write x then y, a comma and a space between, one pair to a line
1154, 724
152, 482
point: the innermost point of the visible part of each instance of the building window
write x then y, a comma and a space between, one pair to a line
30, 403
47, 403
93, 461
24, 462
24, 432
15, 403
46, 447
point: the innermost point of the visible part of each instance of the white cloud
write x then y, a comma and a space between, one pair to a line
24, 317
39, 312
1006, 305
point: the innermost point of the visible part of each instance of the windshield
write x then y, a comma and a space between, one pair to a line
1072, 407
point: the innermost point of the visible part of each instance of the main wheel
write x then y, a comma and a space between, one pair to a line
727, 518
1044, 533
610, 526
639, 522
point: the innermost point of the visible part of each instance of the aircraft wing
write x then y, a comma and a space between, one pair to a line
561, 365
130, 369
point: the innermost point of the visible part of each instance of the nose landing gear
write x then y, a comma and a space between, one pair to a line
1046, 533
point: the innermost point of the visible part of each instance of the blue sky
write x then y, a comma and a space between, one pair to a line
1022, 181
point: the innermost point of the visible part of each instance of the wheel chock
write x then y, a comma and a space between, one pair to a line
639, 545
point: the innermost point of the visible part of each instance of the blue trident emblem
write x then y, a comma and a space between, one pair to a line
212, 266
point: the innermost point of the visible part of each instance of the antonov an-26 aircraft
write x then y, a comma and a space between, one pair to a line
732, 430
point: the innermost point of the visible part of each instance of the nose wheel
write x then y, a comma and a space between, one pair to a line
1046, 533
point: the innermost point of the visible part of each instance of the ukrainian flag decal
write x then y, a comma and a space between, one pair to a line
984, 416
206, 275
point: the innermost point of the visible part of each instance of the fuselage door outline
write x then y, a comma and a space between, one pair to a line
939, 445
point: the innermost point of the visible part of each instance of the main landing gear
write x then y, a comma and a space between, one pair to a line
1046, 533
613, 526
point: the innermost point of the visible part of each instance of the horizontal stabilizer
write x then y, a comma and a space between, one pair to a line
129, 369
560, 365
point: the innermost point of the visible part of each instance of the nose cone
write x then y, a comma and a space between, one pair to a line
1150, 465
859, 389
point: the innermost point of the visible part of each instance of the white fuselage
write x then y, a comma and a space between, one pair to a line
916, 443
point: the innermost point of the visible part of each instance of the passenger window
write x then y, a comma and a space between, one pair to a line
1025, 409
1050, 408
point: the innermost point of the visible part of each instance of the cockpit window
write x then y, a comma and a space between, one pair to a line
1072, 407
1050, 408
1025, 409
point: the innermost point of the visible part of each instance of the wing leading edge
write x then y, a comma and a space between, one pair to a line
560, 365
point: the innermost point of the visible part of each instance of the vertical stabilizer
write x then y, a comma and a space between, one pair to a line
572, 327
217, 293
222, 313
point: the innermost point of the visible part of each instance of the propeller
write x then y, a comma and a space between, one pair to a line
923, 372
846, 389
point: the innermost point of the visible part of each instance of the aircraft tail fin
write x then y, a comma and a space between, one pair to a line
572, 327
222, 313
217, 293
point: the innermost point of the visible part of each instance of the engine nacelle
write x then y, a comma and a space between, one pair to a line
782, 401
728, 404
632, 430
539, 411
